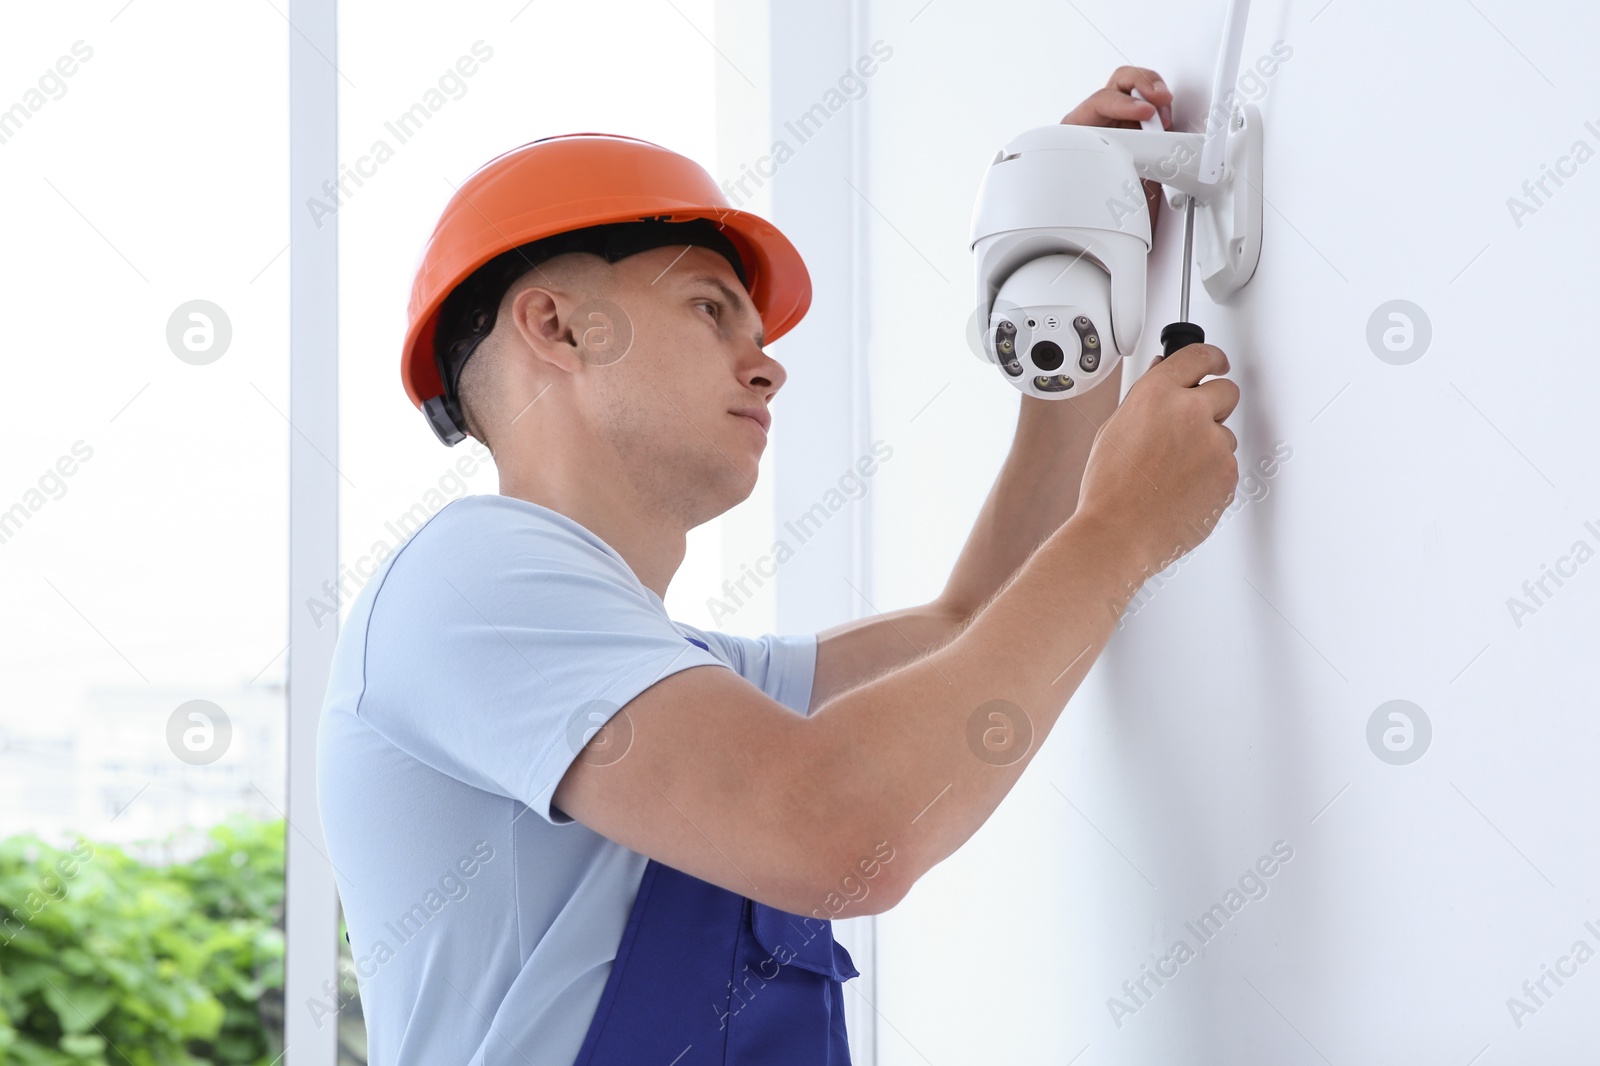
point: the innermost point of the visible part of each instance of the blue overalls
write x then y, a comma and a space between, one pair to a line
706, 977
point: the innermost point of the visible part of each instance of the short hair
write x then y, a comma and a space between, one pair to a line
480, 381
477, 384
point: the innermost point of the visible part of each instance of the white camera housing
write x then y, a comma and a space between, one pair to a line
1075, 192
1049, 245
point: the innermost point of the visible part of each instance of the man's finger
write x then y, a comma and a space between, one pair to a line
1113, 104
1192, 362
1221, 395
1145, 80
1107, 107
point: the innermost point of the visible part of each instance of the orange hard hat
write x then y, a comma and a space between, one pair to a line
557, 185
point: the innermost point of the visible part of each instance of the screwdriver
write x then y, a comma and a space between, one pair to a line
1183, 332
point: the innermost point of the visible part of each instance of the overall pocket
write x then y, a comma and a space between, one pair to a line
806, 941
786, 1000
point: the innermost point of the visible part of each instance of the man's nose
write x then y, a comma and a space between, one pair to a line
765, 373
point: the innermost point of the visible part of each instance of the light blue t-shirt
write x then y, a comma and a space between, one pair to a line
475, 663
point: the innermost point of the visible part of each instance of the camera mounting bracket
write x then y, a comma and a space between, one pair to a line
1228, 213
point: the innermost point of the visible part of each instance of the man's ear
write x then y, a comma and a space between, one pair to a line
542, 318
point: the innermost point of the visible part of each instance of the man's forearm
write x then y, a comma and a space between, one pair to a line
1035, 492
921, 757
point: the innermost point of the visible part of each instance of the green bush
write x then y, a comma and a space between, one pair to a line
106, 960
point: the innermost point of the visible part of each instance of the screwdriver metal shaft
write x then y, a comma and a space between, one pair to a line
1183, 332
1188, 258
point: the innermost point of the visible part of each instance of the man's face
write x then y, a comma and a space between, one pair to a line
669, 404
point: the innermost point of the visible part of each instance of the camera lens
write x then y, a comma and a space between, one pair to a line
1047, 355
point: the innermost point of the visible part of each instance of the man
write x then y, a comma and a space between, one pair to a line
703, 804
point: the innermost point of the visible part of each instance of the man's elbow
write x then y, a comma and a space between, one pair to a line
856, 867
861, 878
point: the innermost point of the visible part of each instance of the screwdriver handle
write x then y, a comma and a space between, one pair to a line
1178, 335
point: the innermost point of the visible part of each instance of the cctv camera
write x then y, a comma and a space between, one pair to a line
1061, 234
1061, 231
1049, 329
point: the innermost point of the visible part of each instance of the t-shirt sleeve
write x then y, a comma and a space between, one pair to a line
781, 665
495, 648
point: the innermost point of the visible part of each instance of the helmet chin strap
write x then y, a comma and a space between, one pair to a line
445, 425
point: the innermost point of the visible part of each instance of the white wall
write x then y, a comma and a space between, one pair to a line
1376, 564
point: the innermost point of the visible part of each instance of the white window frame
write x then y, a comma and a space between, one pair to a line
817, 201
311, 901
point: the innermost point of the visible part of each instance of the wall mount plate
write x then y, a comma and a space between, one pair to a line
1227, 226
